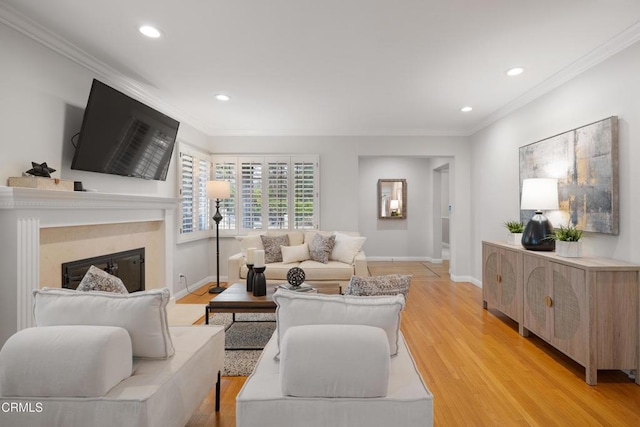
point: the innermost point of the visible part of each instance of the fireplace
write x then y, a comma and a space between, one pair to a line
127, 265
42, 229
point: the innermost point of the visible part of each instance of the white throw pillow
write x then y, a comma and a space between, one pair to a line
347, 360
296, 253
295, 309
346, 248
142, 314
65, 361
250, 241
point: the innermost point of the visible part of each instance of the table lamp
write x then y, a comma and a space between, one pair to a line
539, 194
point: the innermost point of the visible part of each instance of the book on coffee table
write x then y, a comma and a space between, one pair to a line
302, 288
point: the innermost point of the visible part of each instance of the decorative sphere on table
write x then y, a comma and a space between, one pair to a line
295, 277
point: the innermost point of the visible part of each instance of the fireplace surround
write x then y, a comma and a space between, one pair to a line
25, 213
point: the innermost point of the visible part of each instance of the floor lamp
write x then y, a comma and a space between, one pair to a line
218, 190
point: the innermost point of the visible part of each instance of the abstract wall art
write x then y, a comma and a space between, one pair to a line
585, 162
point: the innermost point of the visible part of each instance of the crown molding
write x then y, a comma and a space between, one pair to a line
40, 34
334, 132
50, 40
614, 45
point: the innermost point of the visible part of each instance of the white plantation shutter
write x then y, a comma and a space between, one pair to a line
195, 213
226, 170
203, 175
250, 193
277, 193
267, 192
186, 192
305, 193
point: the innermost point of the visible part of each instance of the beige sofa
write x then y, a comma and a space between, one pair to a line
334, 271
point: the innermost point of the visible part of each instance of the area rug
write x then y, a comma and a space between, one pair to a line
244, 340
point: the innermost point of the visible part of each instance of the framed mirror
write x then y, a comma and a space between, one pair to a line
392, 198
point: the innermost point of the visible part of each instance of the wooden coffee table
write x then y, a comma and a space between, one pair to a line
236, 299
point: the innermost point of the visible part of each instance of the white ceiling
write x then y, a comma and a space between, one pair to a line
334, 67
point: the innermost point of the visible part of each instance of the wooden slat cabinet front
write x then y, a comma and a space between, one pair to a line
588, 308
502, 281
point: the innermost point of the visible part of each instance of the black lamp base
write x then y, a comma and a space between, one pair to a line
216, 290
536, 234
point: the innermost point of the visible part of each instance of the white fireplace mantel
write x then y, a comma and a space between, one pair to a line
67, 208
24, 211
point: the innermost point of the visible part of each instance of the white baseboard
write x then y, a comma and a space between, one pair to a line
384, 258
184, 292
469, 279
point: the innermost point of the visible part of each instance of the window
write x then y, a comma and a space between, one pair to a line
194, 172
269, 192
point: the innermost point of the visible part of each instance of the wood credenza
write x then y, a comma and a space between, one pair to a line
588, 308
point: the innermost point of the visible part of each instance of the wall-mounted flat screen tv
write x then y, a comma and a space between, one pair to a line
122, 136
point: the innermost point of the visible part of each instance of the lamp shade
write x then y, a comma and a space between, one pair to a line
218, 189
539, 194
394, 204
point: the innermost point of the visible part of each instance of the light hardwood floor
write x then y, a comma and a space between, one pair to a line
480, 371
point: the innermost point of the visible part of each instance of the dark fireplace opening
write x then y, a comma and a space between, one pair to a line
127, 265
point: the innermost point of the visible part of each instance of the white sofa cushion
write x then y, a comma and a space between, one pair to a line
295, 253
408, 402
65, 361
295, 309
346, 248
142, 314
334, 361
249, 241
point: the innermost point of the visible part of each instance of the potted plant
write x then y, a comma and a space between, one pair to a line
568, 243
514, 237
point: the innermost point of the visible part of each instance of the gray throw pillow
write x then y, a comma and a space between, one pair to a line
271, 244
320, 248
391, 284
99, 280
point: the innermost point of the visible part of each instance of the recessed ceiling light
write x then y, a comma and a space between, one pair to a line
514, 71
150, 31
222, 97
466, 109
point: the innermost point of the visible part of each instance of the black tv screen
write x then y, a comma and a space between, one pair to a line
122, 136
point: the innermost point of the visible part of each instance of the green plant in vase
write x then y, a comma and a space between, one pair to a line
568, 241
514, 226
514, 237
567, 234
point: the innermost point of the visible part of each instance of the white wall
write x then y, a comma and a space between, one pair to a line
608, 89
42, 101
41, 108
340, 178
395, 239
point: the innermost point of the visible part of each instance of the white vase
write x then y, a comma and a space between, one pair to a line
514, 238
569, 249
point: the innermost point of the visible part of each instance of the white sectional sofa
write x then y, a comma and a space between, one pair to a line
334, 271
99, 359
335, 361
